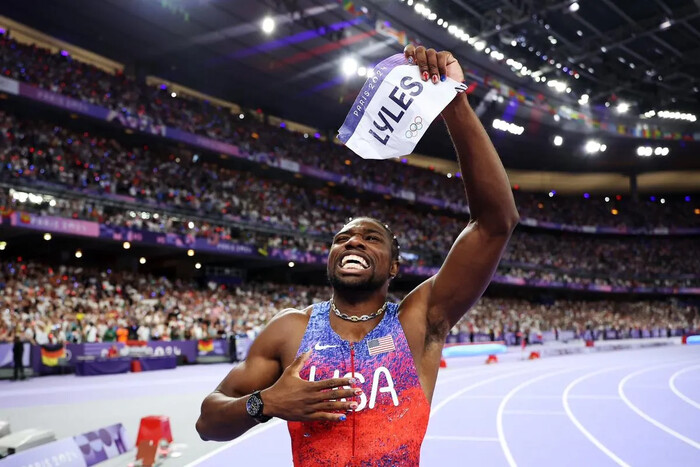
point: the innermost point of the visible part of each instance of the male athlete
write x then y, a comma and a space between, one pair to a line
354, 376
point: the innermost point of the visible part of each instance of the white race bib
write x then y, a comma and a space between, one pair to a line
394, 109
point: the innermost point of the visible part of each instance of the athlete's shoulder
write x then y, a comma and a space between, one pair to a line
291, 316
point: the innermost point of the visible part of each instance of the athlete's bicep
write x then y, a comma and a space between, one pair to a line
263, 365
464, 275
256, 372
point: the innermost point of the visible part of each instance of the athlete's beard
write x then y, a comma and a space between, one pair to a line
371, 284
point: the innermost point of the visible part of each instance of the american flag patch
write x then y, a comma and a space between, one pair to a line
381, 345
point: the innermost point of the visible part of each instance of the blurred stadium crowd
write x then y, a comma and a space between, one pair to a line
69, 304
176, 190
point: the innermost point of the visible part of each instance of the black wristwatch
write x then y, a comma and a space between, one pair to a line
254, 406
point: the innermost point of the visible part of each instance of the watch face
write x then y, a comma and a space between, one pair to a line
253, 406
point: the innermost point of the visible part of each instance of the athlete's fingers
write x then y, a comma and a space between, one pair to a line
410, 53
337, 406
333, 383
335, 394
442, 64
422, 62
433, 69
298, 362
333, 417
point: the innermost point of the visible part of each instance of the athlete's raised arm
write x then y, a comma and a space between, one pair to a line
473, 258
227, 412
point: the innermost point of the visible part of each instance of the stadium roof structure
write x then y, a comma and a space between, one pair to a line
599, 67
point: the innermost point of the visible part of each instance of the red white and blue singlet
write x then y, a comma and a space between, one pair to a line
389, 424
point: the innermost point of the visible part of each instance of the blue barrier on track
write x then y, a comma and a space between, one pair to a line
689, 340
473, 350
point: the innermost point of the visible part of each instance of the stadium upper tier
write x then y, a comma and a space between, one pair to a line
155, 105
51, 170
83, 305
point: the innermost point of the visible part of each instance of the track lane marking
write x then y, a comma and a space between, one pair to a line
676, 391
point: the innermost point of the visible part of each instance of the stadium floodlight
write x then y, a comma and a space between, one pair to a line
592, 146
623, 107
198, 266
3, 245
47, 236
142, 260
559, 86
480, 45
558, 140
290, 264
268, 25
349, 66
574, 7
644, 151
509, 127
190, 252
126, 245
78, 254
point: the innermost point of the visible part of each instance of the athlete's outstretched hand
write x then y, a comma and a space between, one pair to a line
292, 398
434, 65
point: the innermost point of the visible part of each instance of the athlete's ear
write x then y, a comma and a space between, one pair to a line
394, 269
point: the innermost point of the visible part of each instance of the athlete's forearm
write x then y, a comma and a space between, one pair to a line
223, 418
490, 198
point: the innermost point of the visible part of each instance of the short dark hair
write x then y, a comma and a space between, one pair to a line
395, 247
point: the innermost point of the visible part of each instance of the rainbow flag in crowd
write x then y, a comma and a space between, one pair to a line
205, 346
348, 6
50, 354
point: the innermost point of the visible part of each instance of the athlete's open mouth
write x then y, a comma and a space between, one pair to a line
352, 261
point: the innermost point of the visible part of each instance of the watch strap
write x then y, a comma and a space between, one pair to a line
257, 414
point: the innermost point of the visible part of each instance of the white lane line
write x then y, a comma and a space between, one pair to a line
111, 385
536, 397
461, 438
534, 412
595, 396
644, 415
250, 434
565, 401
461, 373
504, 402
456, 394
676, 391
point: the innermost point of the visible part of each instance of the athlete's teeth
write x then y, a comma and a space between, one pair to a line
346, 260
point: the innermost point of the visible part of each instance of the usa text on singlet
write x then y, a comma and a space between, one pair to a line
389, 424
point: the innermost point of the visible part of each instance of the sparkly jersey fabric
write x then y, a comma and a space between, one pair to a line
389, 424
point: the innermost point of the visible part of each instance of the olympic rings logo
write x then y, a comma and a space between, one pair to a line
414, 127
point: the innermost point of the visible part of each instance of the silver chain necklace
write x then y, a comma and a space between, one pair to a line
355, 319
